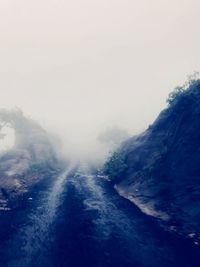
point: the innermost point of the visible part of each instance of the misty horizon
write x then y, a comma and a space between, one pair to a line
80, 68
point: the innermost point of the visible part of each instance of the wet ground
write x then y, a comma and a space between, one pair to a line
78, 220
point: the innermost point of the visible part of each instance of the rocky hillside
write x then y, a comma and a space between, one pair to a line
30, 159
159, 170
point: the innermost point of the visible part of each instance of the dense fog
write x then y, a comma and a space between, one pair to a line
81, 68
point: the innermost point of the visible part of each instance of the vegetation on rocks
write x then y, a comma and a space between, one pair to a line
160, 168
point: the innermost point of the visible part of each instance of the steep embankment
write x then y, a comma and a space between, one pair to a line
30, 159
159, 170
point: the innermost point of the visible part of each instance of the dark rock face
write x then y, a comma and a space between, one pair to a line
30, 159
162, 173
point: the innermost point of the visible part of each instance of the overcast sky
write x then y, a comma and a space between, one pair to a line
81, 65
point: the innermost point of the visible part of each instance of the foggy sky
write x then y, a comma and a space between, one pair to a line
81, 66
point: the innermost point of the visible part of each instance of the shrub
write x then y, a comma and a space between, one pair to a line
115, 166
180, 91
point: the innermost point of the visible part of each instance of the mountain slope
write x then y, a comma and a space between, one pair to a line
159, 170
30, 159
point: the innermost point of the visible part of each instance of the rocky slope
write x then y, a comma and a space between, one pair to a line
159, 170
30, 159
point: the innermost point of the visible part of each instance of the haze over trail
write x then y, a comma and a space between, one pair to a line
80, 67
